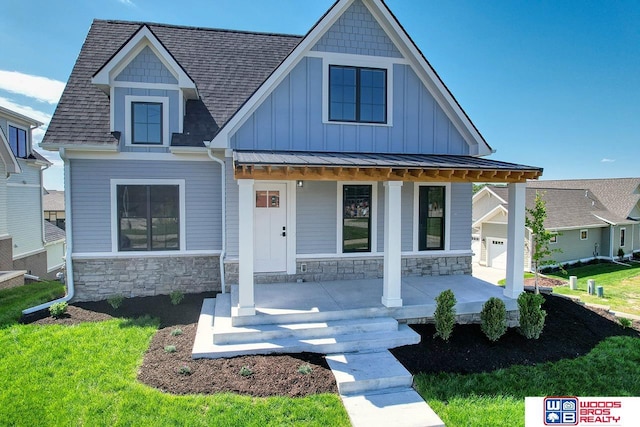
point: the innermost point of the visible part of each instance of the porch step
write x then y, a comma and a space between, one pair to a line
358, 373
269, 332
307, 316
340, 343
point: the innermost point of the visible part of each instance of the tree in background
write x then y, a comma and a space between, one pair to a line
541, 254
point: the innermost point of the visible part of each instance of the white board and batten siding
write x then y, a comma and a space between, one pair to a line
91, 200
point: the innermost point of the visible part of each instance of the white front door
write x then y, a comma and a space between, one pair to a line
270, 228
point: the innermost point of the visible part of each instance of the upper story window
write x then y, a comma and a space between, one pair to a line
146, 123
18, 141
357, 94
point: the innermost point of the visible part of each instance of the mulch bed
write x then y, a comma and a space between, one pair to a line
545, 282
571, 330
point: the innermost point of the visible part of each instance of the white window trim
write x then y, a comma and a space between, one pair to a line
28, 136
356, 61
114, 213
373, 216
623, 230
555, 236
128, 101
447, 214
587, 234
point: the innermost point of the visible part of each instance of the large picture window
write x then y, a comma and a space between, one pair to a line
357, 94
18, 141
148, 217
146, 123
356, 218
431, 218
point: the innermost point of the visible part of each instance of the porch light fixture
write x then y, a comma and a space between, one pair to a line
300, 184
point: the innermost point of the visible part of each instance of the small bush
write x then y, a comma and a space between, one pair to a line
58, 309
184, 370
620, 253
170, 349
493, 319
532, 316
115, 301
176, 332
304, 369
176, 297
245, 371
626, 323
445, 314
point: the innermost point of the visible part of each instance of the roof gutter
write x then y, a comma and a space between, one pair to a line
68, 262
223, 185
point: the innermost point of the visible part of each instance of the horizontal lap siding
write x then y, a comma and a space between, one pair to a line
233, 222
460, 216
91, 200
407, 216
572, 248
316, 210
24, 217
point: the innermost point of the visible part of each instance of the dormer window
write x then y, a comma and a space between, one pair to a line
18, 142
357, 94
146, 123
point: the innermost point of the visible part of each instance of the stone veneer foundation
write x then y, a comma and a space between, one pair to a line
98, 279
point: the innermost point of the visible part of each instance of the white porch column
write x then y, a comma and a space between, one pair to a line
391, 295
246, 303
515, 240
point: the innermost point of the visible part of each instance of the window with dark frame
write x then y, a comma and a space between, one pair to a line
623, 231
146, 123
431, 214
356, 218
18, 142
148, 217
584, 234
357, 94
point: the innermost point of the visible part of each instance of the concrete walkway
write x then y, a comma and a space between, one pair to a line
488, 274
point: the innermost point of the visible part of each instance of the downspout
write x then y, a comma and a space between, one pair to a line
611, 240
68, 262
44, 240
223, 184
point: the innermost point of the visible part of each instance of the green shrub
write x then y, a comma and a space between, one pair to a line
245, 371
176, 297
176, 332
184, 370
626, 323
532, 315
58, 309
304, 369
493, 319
445, 314
620, 253
115, 301
170, 349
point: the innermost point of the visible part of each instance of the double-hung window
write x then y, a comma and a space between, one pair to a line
357, 94
431, 214
18, 141
146, 123
148, 217
356, 218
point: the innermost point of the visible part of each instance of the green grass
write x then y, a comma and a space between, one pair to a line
14, 300
621, 285
503, 282
86, 375
496, 398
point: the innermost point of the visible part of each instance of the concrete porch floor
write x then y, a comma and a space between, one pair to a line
275, 302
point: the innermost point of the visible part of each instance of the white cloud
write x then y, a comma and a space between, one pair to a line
40, 88
605, 160
127, 2
26, 111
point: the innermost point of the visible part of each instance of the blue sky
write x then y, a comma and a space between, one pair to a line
554, 84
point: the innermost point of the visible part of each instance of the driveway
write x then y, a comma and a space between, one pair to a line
488, 274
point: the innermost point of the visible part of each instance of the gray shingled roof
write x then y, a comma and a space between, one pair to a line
296, 158
226, 66
53, 233
567, 208
619, 195
53, 200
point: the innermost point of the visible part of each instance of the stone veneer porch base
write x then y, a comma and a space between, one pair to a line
99, 278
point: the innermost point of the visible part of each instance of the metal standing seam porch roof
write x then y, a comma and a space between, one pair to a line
336, 166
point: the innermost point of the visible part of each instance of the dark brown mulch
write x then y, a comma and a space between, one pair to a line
571, 330
545, 282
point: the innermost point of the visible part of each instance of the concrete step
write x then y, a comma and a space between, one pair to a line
365, 341
269, 332
306, 316
358, 373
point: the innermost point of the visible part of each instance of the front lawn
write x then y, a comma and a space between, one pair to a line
621, 285
14, 300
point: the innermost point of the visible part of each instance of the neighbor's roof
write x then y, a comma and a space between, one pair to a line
53, 200
53, 233
619, 195
226, 66
567, 208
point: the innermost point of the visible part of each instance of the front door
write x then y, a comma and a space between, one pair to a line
270, 228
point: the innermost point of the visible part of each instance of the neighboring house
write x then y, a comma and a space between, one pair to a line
53, 203
197, 158
585, 227
22, 234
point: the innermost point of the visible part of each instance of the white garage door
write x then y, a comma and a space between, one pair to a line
497, 253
